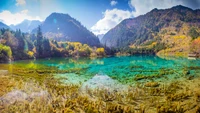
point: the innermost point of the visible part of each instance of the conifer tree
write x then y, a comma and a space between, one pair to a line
39, 41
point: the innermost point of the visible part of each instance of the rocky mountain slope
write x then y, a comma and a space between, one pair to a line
174, 27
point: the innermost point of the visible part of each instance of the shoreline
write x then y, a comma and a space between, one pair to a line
160, 56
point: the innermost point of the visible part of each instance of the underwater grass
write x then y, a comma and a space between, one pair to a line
146, 96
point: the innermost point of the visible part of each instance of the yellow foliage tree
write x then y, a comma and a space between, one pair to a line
30, 54
100, 51
195, 46
78, 49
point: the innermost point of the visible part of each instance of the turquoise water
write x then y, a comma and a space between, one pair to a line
123, 69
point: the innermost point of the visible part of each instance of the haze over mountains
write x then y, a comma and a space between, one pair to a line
26, 25
2, 25
100, 36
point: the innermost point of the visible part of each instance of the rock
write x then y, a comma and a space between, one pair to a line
152, 84
39, 94
13, 96
104, 82
20, 96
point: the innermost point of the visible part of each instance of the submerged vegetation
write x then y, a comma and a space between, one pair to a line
34, 88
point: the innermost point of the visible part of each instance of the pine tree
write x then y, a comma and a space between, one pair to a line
39, 42
21, 40
46, 48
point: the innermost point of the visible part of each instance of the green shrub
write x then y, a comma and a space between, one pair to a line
5, 53
193, 33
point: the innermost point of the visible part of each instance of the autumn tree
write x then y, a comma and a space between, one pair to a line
5, 53
195, 46
100, 51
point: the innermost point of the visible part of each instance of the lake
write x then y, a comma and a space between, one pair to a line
116, 66
123, 68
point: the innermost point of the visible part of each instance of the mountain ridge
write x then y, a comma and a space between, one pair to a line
135, 31
2, 25
26, 25
63, 27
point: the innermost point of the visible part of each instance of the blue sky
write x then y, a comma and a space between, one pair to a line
99, 16
88, 12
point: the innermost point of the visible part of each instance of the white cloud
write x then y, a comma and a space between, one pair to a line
24, 11
111, 19
113, 3
15, 18
147, 5
20, 2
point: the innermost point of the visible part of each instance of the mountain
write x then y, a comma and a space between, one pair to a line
172, 27
100, 36
62, 27
26, 25
2, 25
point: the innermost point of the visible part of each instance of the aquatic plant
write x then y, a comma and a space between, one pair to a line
197, 96
152, 84
170, 108
147, 94
177, 97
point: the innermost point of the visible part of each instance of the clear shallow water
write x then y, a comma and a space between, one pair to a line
123, 69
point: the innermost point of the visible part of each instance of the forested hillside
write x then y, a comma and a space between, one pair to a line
166, 31
15, 45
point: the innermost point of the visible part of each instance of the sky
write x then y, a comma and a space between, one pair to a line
99, 16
